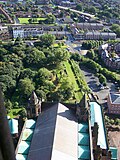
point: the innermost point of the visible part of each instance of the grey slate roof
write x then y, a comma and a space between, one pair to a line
55, 134
115, 98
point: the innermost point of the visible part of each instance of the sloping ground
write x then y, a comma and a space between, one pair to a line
78, 93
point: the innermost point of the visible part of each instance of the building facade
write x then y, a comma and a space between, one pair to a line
105, 52
34, 106
89, 26
25, 31
113, 102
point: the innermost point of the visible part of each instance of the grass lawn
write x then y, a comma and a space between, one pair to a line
56, 45
78, 93
14, 112
118, 76
25, 20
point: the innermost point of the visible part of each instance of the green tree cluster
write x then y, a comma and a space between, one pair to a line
102, 79
46, 40
91, 44
116, 28
98, 69
24, 68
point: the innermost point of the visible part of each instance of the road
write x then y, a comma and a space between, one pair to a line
16, 20
93, 84
73, 47
73, 10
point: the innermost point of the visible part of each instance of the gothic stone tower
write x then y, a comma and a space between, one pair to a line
34, 106
82, 110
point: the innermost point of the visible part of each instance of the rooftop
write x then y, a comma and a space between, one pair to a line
13, 124
56, 129
96, 116
25, 140
83, 141
114, 153
115, 98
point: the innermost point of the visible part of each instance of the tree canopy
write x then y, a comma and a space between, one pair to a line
46, 40
26, 87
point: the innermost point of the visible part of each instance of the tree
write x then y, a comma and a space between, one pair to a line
30, 20
18, 41
102, 79
116, 28
75, 57
59, 55
49, 85
91, 54
61, 14
117, 121
8, 105
34, 58
66, 89
79, 7
50, 19
43, 75
8, 82
107, 14
87, 45
46, 40
27, 73
23, 113
91, 10
41, 94
3, 52
55, 96
26, 87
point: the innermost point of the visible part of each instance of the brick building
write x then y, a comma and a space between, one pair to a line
113, 102
105, 51
89, 26
24, 31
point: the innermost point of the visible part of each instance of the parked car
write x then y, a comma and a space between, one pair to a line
106, 87
102, 87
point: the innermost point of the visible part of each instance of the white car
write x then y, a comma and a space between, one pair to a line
106, 87
102, 87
